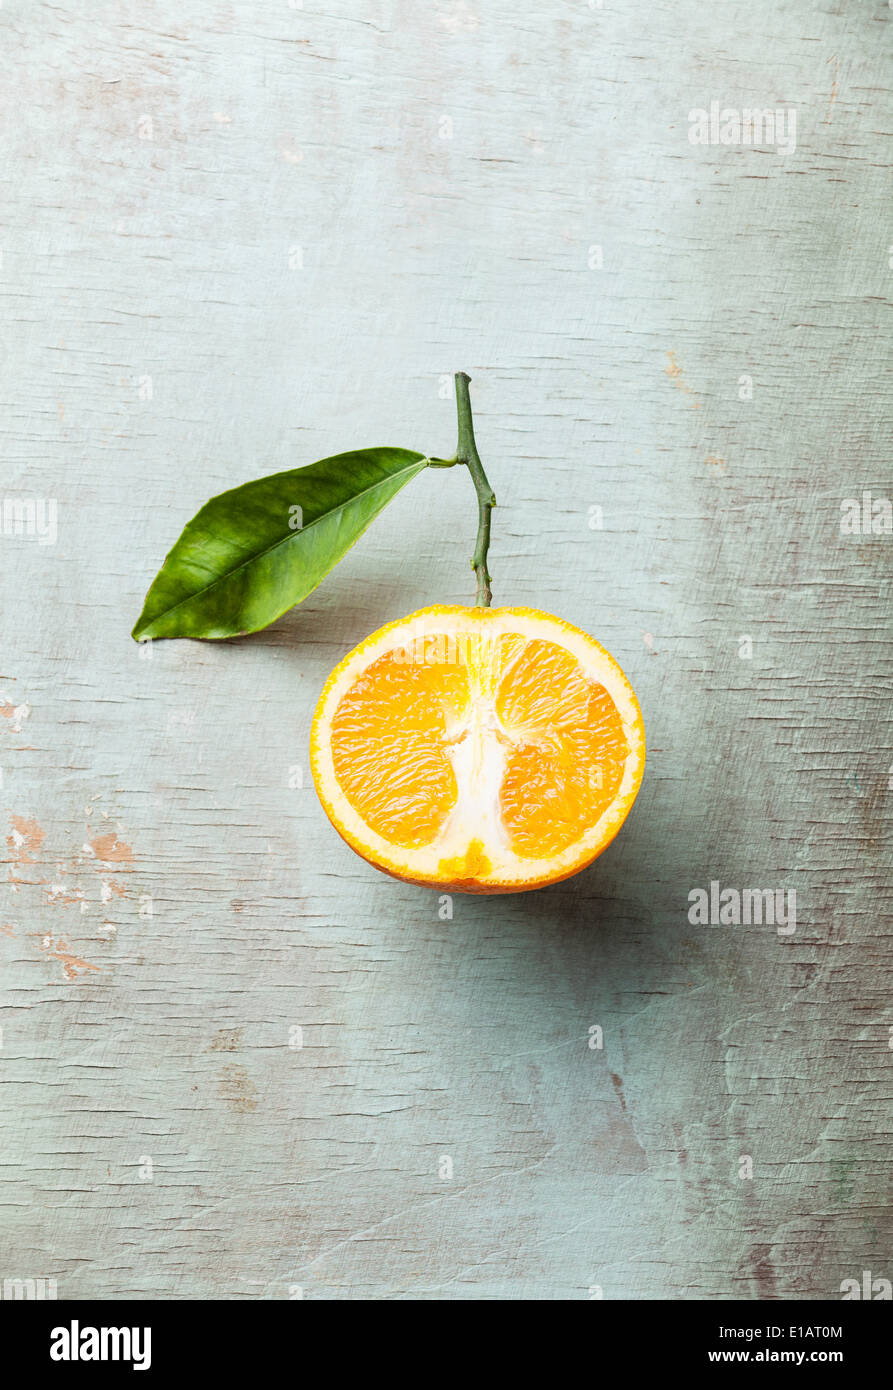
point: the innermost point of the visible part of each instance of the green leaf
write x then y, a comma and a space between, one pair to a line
254, 552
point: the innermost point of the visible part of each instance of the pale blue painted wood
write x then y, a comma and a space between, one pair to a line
238, 238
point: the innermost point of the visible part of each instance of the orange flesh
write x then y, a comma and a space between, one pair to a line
388, 746
565, 747
569, 754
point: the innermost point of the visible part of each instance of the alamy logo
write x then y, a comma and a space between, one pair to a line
447, 649
729, 125
29, 516
728, 907
28, 1289
875, 1289
76, 1343
872, 516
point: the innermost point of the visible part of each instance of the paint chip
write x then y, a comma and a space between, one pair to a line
112, 850
17, 714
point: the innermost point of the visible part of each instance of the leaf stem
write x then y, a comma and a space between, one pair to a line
466, 452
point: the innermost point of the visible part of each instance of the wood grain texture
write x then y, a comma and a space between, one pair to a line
236, 240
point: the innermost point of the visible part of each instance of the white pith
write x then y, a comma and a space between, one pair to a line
478, 751
477, 746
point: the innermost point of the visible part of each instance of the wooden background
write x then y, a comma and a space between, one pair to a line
237, 237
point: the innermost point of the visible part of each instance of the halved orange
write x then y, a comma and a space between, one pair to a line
478, 750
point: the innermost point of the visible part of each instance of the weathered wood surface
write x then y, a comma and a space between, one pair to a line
164, 338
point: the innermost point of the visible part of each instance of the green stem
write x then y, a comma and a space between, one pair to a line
466, 452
